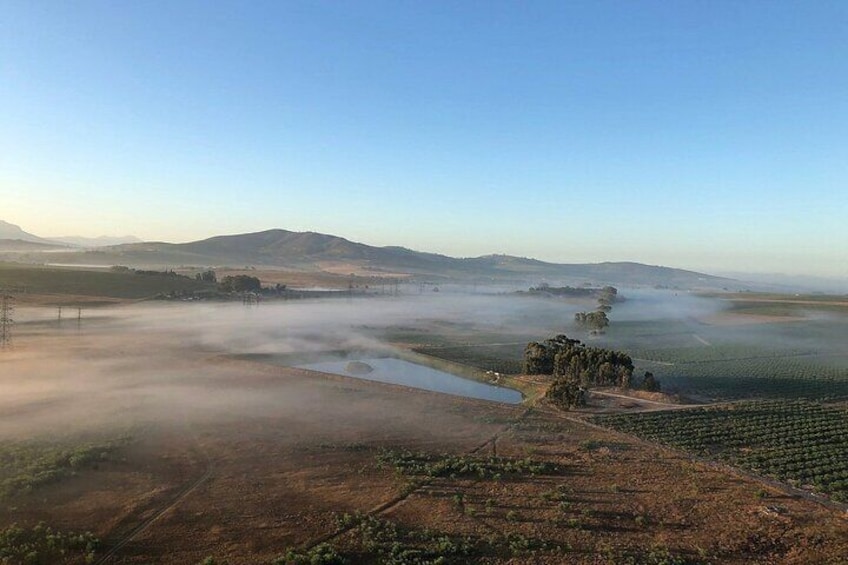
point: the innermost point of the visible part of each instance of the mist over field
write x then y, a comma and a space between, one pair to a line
185, 393
161, 361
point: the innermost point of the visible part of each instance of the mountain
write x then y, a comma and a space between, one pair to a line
13, 232
312, 251
102, 241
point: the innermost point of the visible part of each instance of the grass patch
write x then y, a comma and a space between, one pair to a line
25, 467
422, 464
44, 545
46, 280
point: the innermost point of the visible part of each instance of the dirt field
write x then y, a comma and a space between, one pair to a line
241, 461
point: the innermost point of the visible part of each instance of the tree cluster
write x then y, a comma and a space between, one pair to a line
575, 366
169, 273
240, 283
564, 357
596, 321
545, 288
606, 298
207, 276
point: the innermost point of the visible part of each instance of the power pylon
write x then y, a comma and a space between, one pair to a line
7, 311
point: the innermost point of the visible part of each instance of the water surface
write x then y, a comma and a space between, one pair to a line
400, 372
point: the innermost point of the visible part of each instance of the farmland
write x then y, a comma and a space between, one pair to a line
66, 284
188, 436
803, 443
501, 358
733, 372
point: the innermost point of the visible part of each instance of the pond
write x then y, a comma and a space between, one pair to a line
400, 372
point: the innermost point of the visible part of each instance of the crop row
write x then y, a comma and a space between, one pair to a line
777, 377
719, 352
505, 359
803, 443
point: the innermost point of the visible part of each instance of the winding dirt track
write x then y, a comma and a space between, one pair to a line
184, 493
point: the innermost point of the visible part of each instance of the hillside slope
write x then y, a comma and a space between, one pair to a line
279, 248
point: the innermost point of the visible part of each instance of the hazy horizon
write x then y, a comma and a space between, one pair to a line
699, 136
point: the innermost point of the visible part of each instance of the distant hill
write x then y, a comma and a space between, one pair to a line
315, 251
24, 246
13, 232
102, 241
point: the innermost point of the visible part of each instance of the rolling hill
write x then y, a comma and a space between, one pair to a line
312, 251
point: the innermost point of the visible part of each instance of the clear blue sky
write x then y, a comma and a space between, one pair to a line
707, 135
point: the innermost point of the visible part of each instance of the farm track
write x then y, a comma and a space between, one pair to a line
184, 493
178, 498
664, 363
398, 500
784, 488
658, 404
702, 340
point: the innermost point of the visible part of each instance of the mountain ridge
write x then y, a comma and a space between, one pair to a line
284, 248
313, 251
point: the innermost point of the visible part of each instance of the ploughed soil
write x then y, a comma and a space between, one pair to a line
240, 461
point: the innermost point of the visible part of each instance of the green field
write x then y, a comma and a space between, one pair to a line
803, 443
740, 371
21, 279
502, 358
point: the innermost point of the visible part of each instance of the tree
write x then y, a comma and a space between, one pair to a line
566, 393
538, 359
650, 383
240, 283
207, 276
595, 321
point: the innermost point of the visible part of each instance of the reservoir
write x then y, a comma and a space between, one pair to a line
400, 372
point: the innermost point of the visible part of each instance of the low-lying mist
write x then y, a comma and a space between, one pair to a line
167, 361
127, 365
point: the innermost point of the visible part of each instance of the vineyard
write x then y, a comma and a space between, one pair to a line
803, 443
723, 352
751, 374
502, 358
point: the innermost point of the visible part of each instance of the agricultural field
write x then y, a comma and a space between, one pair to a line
782, 305
499, 358
187, 436
65, 285
802, 443
725, 372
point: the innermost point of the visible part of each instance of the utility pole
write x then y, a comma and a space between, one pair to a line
7, 310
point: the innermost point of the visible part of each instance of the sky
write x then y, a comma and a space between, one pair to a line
693, 134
